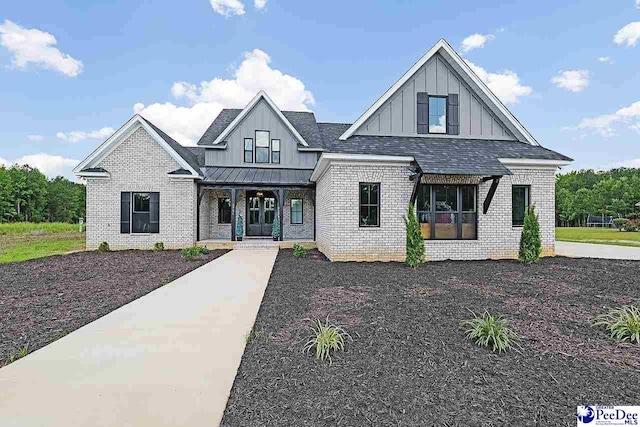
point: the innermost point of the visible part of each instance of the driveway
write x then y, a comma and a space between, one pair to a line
590, 250
166, 359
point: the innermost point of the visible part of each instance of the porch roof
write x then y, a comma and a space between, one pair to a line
256, 176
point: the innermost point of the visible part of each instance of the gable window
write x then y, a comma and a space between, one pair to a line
437, 114
369, 204
139, 212
275, 151
519, 204
296, 211
262, 146
248, 150
224, 211
447, 212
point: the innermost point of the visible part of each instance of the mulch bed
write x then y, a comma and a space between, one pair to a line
409, 363
44, 299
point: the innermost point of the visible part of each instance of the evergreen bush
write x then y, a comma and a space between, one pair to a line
530, 243
415, 255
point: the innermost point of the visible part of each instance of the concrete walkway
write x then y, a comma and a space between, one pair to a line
166, 359
589, 250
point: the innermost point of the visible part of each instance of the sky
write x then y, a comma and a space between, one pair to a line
73, 72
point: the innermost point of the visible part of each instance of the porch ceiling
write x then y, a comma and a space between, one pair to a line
256, 176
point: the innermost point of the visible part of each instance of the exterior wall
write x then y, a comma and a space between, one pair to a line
290, 231
397, 116
340, 238
140, 164
262, 117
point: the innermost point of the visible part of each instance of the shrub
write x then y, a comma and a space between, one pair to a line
619, 222
623, 323
194, 252
530, 243
326, 338
275, 232
490, 331
299, 251
158, 246
632, 225
103, 247
415, 243
239, 227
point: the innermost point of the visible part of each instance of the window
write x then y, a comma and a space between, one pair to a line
139, 212
248, 150
369, 205
262, 146
437, 114
519, 204
275, 151
447, 212
224, 211
296, 211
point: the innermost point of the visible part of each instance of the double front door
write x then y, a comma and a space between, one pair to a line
261, 211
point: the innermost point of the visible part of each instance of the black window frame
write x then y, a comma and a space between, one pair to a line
301, 211
222, 206
527, 203
446, 115
369, 205
128, 203
274, 151
268, 147
248, 151
459, 211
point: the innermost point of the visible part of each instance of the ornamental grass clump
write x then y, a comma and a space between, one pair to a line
327, 338
530, 243
490, 331
623, 323
415, 242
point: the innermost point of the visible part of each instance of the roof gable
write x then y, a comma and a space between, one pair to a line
180, 154
443, 50
231, 126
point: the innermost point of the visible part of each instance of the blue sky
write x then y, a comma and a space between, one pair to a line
72, 71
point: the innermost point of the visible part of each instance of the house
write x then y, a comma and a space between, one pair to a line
438, 138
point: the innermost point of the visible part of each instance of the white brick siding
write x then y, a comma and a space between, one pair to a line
140, 164
340, 238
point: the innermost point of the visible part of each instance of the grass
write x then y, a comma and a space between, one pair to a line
623, 323
22, 241
326, 338
490, 331
602, 236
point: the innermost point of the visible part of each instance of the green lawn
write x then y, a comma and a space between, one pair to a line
21, 241
604, 236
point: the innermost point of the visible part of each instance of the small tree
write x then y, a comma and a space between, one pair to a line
415, 255
239, 227
275, 232
530, 243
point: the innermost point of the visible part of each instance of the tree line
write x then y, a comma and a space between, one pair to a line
27, 195
585, 192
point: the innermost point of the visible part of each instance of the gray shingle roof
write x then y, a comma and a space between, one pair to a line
441, 155
257, 176
183, 152
219, 124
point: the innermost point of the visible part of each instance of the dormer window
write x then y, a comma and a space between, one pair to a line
437, 114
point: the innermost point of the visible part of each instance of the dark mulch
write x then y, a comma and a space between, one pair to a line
44, 299
409, 363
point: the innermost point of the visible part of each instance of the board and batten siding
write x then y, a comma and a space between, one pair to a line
397, 116
261, 117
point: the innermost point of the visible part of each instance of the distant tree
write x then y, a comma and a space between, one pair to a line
66, 200
7, 209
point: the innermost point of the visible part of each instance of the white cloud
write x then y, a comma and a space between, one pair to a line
572, 80
638, 4
48, 164
635, 127
505, 85
187, 123
37, 47
260, 4
77, 136
631, 163
227, 7
606, 59
35, 138
476, 41
604, 125
629, 34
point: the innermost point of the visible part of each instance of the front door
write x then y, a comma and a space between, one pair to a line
261, 211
